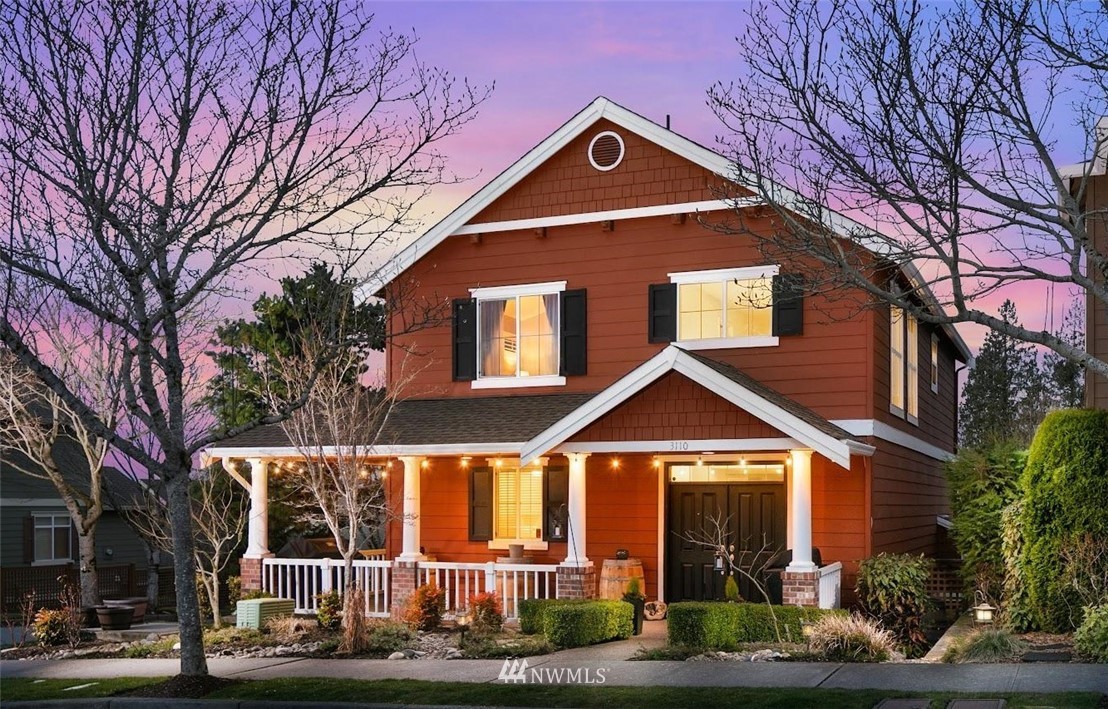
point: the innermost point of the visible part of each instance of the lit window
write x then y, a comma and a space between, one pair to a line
935, 363
725, 308
518, 504
903, 364
517, 331
52, 535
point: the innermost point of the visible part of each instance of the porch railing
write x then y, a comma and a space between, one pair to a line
304, 580
512, 583
830, 585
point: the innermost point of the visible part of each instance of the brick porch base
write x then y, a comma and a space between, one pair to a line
577, 581
800, 588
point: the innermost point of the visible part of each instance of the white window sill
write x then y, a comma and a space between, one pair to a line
726, 343
896, 411
551, 380
528, 544
914, 420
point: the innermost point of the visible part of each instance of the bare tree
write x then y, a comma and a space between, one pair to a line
151, 153
928, 126
219, 509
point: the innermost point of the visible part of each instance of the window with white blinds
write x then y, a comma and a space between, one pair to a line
518, 503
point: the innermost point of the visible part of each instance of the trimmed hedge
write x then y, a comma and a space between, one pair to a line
723, 626
575, 624
531, 613
1065, 488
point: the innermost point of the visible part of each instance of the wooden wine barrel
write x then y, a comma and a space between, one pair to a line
616, 574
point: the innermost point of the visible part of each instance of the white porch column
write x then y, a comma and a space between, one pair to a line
800, 515
575, 546
258, 535
410, 549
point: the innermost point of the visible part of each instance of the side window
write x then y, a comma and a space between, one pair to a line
903, 365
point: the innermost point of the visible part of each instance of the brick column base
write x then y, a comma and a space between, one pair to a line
576, 581
800, 588
250, 570
403, 582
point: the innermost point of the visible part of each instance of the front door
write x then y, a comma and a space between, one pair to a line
752, 517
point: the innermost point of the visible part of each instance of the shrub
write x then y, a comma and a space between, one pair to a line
1064, 488
850, 638
588, 622
289, 628
1016, 614
487, 616
49, 626
329, 614
255, 595
425, 607
892, 589
731, 590
983, 481
531, 613
487, 648
724, 626
1091, 639
634, 590
986, 645
386, 638
233, 636
234, 589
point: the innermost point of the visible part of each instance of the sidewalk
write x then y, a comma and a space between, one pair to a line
906, 677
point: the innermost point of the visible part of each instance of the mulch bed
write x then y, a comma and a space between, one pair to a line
182, 686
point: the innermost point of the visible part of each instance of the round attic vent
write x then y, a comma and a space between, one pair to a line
605, 151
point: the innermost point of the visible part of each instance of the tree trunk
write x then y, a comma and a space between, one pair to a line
153, 563
184, 575
90, 582
212, 582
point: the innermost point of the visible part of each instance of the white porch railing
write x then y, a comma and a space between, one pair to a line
512, 583
830, 585
303, 580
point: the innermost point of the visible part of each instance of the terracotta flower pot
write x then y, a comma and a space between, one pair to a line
115, 617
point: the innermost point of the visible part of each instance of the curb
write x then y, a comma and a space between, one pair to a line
133, 702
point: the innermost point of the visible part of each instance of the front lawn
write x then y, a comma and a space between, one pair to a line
322, 689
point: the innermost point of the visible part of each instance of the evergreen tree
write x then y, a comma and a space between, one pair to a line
1005, 396
1066, 379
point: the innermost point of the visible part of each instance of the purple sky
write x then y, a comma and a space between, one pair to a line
549, 60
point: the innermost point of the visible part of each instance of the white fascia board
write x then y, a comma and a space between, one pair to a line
658, 210
828, 446
885, 432
433, 449
741, 273
618, 392
522, 289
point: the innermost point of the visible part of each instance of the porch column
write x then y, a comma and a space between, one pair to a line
410, 547
575, 507
258, 535
800, 516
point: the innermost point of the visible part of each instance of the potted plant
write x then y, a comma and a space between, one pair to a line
635, 597
115, 617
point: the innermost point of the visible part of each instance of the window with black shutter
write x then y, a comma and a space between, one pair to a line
481, 494
555, 499
788, 304
574, 333
662, 312
465, 339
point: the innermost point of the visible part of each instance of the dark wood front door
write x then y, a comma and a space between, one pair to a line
753, 516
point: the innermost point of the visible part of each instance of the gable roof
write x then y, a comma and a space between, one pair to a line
781, 412
603, 108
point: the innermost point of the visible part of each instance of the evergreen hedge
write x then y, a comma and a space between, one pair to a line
588, 622
724, 626
1065, 495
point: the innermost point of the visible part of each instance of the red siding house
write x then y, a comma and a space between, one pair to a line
614, 373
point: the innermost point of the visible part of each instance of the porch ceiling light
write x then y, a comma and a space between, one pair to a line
615, 463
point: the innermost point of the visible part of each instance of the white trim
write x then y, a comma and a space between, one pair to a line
666, 451
498, 292
603, 108
622, 150
728, 343
885, 432
34, 502
743, 273
427, 450
528, 544
673, 358
658, 210
662, 546
546, 380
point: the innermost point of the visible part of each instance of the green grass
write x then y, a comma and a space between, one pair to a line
417, 692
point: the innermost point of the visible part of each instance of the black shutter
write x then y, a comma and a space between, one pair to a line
29, 539
788, 304
663, 312
480, 504
555, 497
465, 340
74, 542
574, 333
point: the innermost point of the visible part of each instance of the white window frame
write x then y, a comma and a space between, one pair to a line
934, 363
502, 293
54, 517
529, 543
906, 361
724, 276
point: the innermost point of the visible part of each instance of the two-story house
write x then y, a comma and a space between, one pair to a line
614, 373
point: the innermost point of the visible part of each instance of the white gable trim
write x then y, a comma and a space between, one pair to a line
885, 432
674, 359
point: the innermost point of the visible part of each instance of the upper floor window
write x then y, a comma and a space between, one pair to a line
726, 307
935, 363
903, 364
519, 336
52, 538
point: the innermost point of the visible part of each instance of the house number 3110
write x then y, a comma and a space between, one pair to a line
678, 445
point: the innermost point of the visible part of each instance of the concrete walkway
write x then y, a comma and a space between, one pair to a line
554, 669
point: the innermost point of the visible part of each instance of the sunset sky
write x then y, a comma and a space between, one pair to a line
548, 60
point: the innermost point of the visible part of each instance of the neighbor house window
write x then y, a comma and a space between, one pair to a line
935, 363
52, 538
518, 503
903, 364
518, 334
725, 308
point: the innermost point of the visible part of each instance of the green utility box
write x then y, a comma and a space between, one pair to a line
254, 613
